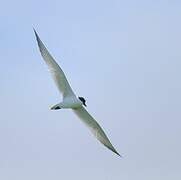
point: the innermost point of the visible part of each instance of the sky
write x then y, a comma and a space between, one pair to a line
123, 57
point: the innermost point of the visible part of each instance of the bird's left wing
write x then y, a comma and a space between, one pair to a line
95, 128
55, 70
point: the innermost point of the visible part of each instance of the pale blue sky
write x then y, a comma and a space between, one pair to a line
124, 57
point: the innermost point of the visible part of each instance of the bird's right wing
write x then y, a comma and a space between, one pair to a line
94, 127
55, 70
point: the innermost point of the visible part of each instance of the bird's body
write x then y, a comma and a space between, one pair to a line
70, 101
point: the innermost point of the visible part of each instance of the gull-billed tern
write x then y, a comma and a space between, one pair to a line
70, 100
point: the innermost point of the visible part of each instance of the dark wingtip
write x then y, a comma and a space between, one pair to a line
117, 153
38, 40
34, 31
113, 150
37, 37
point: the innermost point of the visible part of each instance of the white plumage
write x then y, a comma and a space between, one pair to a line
70, 100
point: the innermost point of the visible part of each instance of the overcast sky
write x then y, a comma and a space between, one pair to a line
123, 57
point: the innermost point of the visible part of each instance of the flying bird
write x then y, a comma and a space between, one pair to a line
70, 100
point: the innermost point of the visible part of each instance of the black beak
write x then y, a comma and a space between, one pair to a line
55, 108
84, 104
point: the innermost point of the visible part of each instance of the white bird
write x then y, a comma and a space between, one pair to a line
70, 100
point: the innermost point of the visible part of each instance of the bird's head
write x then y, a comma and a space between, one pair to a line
83, 101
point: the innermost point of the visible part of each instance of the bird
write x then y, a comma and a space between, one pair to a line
69, 99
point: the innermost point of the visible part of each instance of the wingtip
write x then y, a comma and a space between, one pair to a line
34, 30
35, 33
113, 150
117, 153
37, 39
